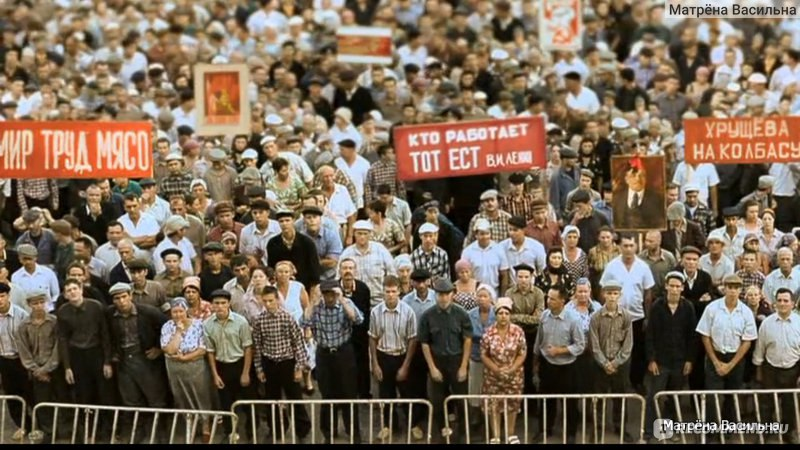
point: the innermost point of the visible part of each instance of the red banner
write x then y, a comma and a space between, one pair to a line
76, 149
742, 140
469, 148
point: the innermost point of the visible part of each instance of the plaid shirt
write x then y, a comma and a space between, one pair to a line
340, 178
175, 185
436, 262
521, 206
278, 337
754, 278
383, 172
331, 326
37, 189
499, 226
702, 216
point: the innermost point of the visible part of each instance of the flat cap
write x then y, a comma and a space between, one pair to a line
193, 282
147, 182
587, 173
312, 210
517, 222
32, 215
213, 247
138, 264
281, 213
363, 225
427, 228
691, 249
567, 152
347, 143
612, 285
35, 293
174, 157
217, 155
581, 196
229, 236
676, 211
491, 193
443, 285
420, 275
539, 204
220, 293
222, 207
730, 211
750, 237
61, 226
714, 238
732, 279
249, 154
328, 285
691, 187
504, 303
119, 288
766, 181
174, 224
517, 178
524, 266
27, 250
757, 78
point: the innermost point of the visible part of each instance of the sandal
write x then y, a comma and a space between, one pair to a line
494, 440
513, 440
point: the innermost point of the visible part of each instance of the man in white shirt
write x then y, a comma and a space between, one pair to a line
788, 73
489, 263
637, 283
184, 114
254, 237
174, 231
580, 99
520, 249
34, 277
355, 166
704, 176
339, 202
141, 228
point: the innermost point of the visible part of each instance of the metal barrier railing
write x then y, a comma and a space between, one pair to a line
4, 401
117, 418
764, 403
592, 413
283, 411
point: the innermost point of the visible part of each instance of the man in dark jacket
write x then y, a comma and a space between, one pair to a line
681, 232
352, 96
697, 289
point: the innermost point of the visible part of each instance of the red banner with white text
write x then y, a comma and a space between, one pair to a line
469, 148
64, 149
742, 140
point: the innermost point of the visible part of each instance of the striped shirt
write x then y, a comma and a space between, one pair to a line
393, 328
331, 326
372, 266
278, 337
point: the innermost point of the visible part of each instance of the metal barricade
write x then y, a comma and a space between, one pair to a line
285, 412
5, 436
138, 425
754, 409
592, 414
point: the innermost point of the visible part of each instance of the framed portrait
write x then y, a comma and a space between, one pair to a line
221, 102
638, 184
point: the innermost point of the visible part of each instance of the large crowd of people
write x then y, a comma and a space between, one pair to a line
268, 264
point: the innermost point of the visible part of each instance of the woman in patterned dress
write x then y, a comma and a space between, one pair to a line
385, 230
198, 308
466, 286
575, 259
503, 350
285, 184
555, 273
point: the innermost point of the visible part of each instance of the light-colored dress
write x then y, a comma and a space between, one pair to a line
190, 382
503, 351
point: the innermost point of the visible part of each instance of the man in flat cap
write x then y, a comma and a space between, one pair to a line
32, 276
428, 255
542, 228
144, 291
564, 181
696, 211
671, 346
135, 333
12, 370
588, 221
491, 212
447, 354
41, 238
731, 234
529, 304
171, 279
350, 95
220, 177
178, 181
373, 261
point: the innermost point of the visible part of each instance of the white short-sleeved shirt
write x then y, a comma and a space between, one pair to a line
341, 205
184, 245
727, 329
486, 262
42, 278
634, 283
146, 226
586, 100
705, 176
532, 253
357, 172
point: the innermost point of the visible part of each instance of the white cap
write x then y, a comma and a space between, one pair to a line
267, 139
249, 154
480, 95
428, 228
757, 78
482, 225
219, 59
620, 123
733, 87
271, 196
363, 225
499, 54
197, 181
273, 120
296, 20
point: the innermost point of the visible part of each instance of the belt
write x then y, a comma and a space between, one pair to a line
393, 353
332, 350
10, 357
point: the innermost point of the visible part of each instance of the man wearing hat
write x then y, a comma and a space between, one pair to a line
175, 238
34, 276
224, 215
296, 247
611, 337
143, 290
220, 177
171, 279
762, 195
41, 238
331, 322
672, 346
325, 234
584, 184
490, 212
564, 180
255, 236
12, 370
520, 249
428, 255
214, 275
681, 232
178, 181
135, 333
588, 221
487, 257
731, 233
373, 260
726, 342
444, 353
704, 176
529, 304
696, 211
518, 202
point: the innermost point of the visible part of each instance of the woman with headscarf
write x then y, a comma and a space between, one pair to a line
252, 306
554, 273
198, 308
404, 267
466, 286
576, 260
583, 307
503, 350
769, 237
184, 347
482, 317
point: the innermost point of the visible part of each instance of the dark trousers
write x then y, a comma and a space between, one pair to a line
389, 387
558, 380
734, 380
280, 382
46, 392
637, 361
417, 386
776, 378
15, 382
784, 213
91, 387
360, 341
529, 388
448, 366
616, 383
668, 379
231, 374
335, 369
142, 383
697, 379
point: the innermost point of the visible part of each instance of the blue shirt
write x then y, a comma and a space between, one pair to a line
329, 245
331, 326
478, 328
417, 304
